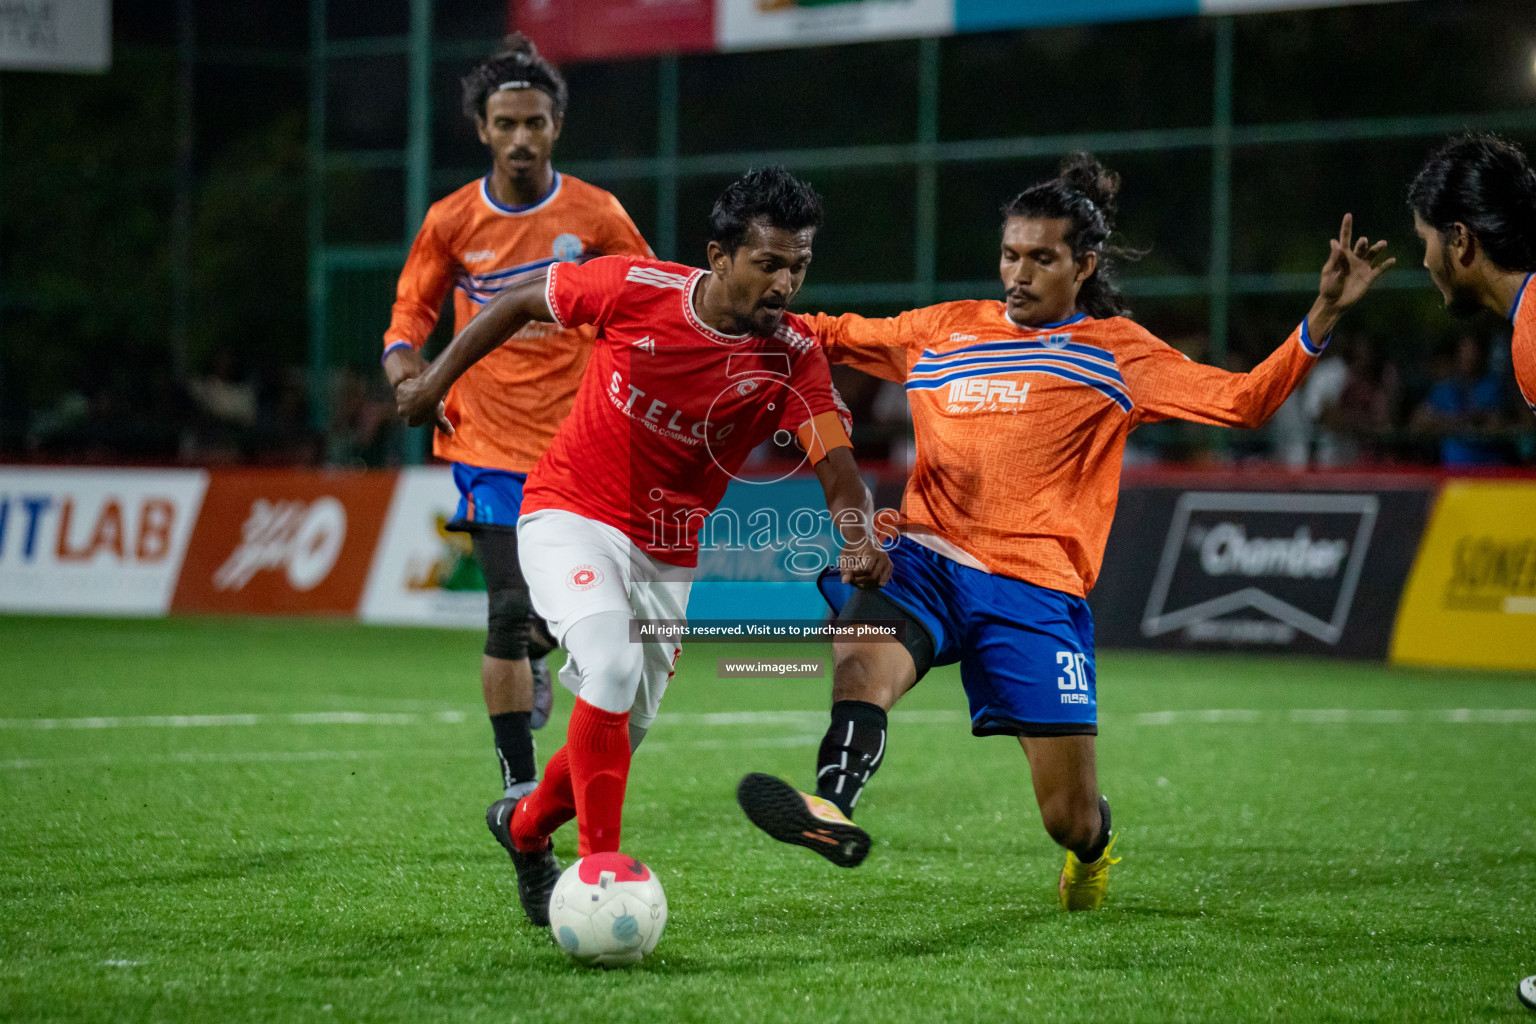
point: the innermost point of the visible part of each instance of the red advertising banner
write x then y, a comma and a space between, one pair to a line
283, 542
575, 30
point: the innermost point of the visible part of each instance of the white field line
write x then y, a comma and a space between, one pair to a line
222, 757
1307, 716
805, 718
1344, 716
207, 721
1210, 715
287, 756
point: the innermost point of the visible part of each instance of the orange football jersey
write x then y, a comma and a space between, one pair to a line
507, 407
1020, 431
1523, 344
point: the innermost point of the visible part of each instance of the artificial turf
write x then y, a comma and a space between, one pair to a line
1302, 841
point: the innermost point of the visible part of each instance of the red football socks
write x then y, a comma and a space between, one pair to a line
549, 806
597, 743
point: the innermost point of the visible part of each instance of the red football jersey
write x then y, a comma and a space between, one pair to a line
669, 408
1523, 344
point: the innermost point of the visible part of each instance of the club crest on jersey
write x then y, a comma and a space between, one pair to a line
1057, 341
584, 577
986, 394
566, 247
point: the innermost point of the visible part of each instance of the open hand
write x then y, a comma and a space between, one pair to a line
1353, 266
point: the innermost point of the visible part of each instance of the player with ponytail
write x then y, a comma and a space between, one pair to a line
1085, 194
1020, 409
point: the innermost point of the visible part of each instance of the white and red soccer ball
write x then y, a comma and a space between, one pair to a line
608, 909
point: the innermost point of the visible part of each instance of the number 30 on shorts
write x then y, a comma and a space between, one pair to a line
1076, 667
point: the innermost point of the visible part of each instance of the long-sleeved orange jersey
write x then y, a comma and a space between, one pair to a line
507, 407
1523, 344
1020, 431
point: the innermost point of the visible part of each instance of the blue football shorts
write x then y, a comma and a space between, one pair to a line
488, 498
1025, 651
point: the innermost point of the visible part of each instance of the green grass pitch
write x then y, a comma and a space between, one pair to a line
1303, 841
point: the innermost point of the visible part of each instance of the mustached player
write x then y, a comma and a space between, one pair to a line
1021, 410
494, 232
1474, 207
692, 369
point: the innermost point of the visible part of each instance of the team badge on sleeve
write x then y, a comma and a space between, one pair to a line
584, 577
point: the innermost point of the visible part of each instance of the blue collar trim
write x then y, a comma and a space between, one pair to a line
1520, 296
485, 191
1043, 327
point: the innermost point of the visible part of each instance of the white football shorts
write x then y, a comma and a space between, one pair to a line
578, 567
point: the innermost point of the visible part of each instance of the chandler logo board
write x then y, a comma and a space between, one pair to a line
1471, 601
284, 542
1310, 572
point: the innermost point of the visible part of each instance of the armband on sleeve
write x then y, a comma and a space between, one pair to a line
823, 433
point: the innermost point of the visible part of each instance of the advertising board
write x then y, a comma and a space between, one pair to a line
283, 542
1314, 571
1471, 600
94, 542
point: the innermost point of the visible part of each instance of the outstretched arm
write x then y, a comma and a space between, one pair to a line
862, 562
419, 398
878, 347
1164, 384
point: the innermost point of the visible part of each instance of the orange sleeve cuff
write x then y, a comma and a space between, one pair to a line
821, 435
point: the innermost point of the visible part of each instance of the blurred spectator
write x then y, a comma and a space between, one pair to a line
223, 397
1346, 407
66, 417
892, 417
225, 410
1464, 407
116, 415
364, 428
282, 434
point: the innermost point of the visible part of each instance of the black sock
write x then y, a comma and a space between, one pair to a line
514, 748
1096, 851
850, 752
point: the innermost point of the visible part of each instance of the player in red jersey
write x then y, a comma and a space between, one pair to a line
1474, 205
692, 370
505, 227
1021, 410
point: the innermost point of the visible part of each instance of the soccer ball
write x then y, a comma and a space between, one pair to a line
608, 909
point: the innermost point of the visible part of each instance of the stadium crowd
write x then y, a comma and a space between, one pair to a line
1364, 405
228, 414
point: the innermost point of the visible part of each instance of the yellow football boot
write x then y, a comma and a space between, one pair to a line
1083, 886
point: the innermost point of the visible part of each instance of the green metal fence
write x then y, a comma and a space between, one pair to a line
351, 284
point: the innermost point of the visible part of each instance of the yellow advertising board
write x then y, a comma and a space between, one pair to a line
1471, 598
